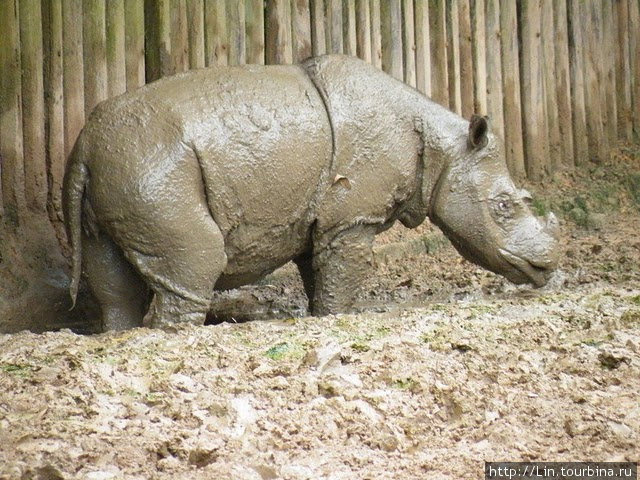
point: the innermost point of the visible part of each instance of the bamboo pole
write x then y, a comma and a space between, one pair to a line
255, 31
376, 34
608, 86
52, 27
179, 38
453, 57
438, 30
95, 59
576, 57
278, 32
532, 89
134, 43
423, 47
511, 89
478, 28
634, 64
409, 42
33, 113
11, 148
563, 81
466, 59
301, 30
216, 44
363, 30
591, 21
116, 63
623, 72
333, 26
548, 66
494, 69
349, 27
236, 31
318, 38
195, 15
73, 72
391, 26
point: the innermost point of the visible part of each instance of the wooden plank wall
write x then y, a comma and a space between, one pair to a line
559, 79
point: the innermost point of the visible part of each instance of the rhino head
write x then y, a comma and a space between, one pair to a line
486, 217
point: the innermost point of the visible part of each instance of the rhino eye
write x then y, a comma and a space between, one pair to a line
503, 206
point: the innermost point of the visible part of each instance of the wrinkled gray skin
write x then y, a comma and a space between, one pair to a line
213, 178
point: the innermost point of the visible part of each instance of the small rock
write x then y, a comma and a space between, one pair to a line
100, 475
612, 361
620, 429
49, 472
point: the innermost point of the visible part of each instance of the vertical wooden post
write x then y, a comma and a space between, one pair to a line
195, 16
623, 72
333, 25
634, 64
95, 58
278, 32
35, 169
511, 89
423, 47
453, 57
157, 22
54, 108
438, 30
215, 33
576, 57
563, 81
11, 148
466, 61
255, 31
478, 29
179, 36
494, 69
409, 42
548, 65
609, 49
591, 22
73, 76
376, 34
349, 27
134, 43
318, 38
363, 30
301, 30
533, 112
391, 26
116, 64
236, 31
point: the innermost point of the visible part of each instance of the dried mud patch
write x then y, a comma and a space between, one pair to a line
426, 393
447, 367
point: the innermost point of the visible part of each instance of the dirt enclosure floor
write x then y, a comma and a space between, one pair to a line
446, 367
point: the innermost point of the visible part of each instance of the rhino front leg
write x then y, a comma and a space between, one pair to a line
339, 270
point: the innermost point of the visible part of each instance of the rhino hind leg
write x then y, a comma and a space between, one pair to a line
181, 256
119, 290
339, 270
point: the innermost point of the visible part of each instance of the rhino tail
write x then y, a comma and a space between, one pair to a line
74, 184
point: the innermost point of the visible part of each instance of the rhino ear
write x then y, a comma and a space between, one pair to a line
478, 129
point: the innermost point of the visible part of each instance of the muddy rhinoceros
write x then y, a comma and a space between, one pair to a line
213, 178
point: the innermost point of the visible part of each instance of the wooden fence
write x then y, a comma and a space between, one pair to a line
559, 79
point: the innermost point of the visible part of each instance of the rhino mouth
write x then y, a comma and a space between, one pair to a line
528, 272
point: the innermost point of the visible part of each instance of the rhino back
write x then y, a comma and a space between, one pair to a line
263, 141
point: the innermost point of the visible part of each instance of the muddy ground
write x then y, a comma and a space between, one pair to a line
447, 367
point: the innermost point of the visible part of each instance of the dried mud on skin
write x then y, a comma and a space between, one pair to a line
451, 366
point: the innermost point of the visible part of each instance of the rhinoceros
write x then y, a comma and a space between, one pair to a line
213, 178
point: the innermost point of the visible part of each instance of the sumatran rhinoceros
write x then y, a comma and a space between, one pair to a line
213, 178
